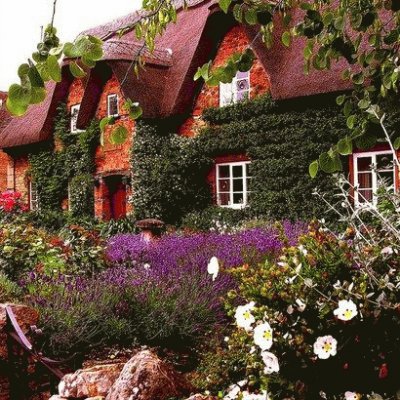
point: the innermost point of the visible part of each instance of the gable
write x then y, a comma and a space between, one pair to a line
235, 40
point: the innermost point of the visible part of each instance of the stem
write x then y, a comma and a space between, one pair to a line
54, 13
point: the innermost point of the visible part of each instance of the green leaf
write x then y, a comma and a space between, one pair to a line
135, 111
313, 169
351, 120
339, 23
345, 146
340, 99
366, 141
19, 94
225, 4
53, 68
363, 104
286, 38
118, 135
396, 143
246, 61
16, 109
38, 94
251, 16
105, 122
76, 70
327, 163
35, 78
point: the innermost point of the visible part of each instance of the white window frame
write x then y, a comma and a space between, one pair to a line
232, 88
109, 97
246, 192
372, 155
33, 200
73, 108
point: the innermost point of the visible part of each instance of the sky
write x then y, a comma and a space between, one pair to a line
20, 22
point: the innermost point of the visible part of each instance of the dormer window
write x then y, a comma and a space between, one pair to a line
236, 91
112, 105
74, 117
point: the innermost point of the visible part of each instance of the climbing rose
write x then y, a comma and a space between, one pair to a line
270, 361
213, 267
263, 336
244, 317
346, 311
325, 346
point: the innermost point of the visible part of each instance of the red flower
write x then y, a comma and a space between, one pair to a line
383, 371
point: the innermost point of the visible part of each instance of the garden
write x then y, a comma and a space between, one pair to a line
244, 308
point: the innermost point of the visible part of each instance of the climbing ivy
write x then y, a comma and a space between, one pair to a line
69, 160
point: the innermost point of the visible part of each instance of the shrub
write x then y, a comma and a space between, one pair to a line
338, 290
9, 290
81, 194
11, 205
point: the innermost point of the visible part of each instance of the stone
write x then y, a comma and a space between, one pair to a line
91, 382
146, 377
26, 317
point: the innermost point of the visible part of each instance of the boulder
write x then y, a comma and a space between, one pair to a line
91, 382
146, 377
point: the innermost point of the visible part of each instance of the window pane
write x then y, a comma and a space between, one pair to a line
242, 85
237, 171
226, 94
238, 185
384, 161
224, 199
112, 105
238, 198
364, 163
223, 171
365, 180
365, 196
242, 75
224, 185
386, 178
248, 183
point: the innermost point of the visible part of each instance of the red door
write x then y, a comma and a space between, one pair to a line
118, 200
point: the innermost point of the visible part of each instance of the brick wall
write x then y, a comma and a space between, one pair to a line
235, 41
3, 171
17, 175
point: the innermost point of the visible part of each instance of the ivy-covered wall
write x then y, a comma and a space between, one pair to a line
68, 161
281, 139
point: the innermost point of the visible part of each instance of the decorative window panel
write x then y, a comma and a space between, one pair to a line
237, 90
33, 196
112, 105
74, 117
371, 171
233, 182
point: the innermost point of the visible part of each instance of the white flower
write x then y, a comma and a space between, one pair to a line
252, 396
213, 267
351, 396
346, 311
146, 266
300, 305
387, 251
325, 346
270, 361
244, 317
303, 249
263, 336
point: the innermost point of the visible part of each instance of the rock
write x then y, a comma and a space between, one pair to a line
146, 377
91, 382
26, 317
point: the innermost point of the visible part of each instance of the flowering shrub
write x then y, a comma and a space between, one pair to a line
323, 320
11, 203
172, 251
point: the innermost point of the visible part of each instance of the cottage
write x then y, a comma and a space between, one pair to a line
167, 92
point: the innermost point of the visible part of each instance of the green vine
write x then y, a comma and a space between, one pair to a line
69, 163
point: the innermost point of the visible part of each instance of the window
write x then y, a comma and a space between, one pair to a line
74, 117
237, 90
112, 105
233, 181
33, 196
370, 171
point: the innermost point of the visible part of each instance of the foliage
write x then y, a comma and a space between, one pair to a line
81, 195
53, 169
334, 288
119, 226
168, 175
77, 314
9, 291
